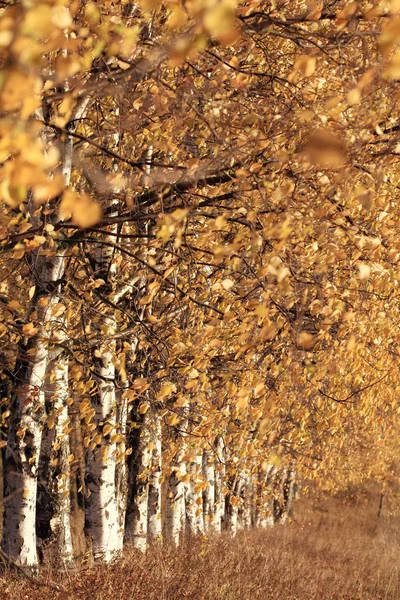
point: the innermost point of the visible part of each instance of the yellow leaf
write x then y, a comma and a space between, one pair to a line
364, 271
351, 343
242, 403
305, 65
143, 408
140, 384
107, 428
219, 21
15, 305
29, 329
172, 420
165, 391
80, 208
354, 97
306, 340
344, 15
314, 10
227, 284
275, 460
42, 302
58, 309
259, 390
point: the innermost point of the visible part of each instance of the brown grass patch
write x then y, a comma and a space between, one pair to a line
332, 551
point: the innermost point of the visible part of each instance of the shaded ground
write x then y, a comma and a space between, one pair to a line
331, 551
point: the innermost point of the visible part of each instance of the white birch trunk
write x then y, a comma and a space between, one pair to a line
209, 493
60, 472
267, 498
28, 410
175, 505
219, 471
102, 514
194, 498
154, 514
121, 472
102, 522
233, 502
174, 508
246, 501
141, 500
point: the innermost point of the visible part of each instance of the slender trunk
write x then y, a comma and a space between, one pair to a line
219, 486
246, 501
209, 492
121, 472
154, 515
267, 499
28, 414
78, 485
139, 469
102, 523
232, 505
55, 488
175, 506
102, 515
194, 498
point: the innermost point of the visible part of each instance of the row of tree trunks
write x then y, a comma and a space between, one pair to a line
43, 331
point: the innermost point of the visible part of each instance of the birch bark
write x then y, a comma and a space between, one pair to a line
139, 469
219, 486
154, 515
55, 454
209, 492
28, 398
102, 514
28, 414
175, 505
194, 497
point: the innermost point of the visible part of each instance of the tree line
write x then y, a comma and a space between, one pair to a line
198, 260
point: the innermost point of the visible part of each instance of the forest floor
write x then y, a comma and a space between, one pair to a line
331, 551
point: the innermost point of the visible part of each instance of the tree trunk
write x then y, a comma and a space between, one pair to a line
28, 415
138, 497
175, 506
121, 472
209, 492
102, 515
219, 471
154, 515
55, 475
194, 498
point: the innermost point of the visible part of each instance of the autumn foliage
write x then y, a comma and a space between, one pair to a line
199, 264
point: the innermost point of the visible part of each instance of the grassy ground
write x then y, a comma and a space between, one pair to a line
332, 551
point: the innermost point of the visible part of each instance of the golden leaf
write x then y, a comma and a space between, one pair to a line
242, 404
227, 284
107, 428
165, 391
29, 329
364, 271
80, 208
305, 340
143, 408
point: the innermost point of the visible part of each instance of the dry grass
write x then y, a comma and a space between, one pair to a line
332, 551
